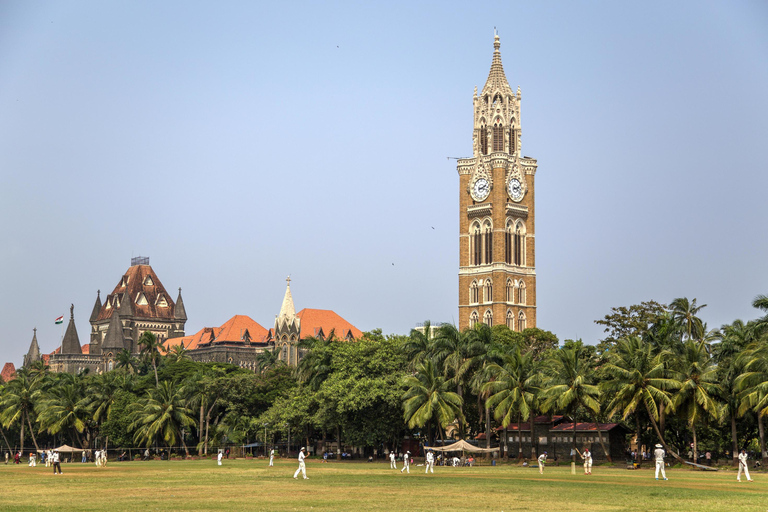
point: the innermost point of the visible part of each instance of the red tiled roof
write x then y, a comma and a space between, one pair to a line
584, 427
136, 276
86, 349
9, 372
316, 322
232, 331
203, 336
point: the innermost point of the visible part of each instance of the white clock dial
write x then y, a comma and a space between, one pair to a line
481, 189
515, 189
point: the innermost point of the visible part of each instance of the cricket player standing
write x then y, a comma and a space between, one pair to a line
430, 462
392, 462
658, 454
587, 456
221, 454
743, 466
272, 457
302, 467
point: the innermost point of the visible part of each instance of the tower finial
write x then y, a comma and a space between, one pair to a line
72, 311
496, 43
288, 279
35, 331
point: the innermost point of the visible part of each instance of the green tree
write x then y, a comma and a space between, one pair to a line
63, 407
160, 416
428, 399
126, 361
684, 312
150, 348
420, 344
18, 402
634, 320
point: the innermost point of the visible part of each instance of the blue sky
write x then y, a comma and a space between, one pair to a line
236, 143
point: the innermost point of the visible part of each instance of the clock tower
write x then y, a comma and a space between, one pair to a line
497, 266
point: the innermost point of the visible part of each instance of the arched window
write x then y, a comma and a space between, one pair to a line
487, 242
521, 321
474, 293
483, 140
512, 139
475, 244
498, 137
520, 243
488, 291
110, 365
488, 318
510, 291
509, 242
521, 293
473, 319
510, 320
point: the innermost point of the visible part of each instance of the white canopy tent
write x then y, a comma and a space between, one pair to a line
460, 446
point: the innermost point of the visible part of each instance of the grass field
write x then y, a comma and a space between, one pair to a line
250, 485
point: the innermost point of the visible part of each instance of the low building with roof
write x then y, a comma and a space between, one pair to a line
614, 436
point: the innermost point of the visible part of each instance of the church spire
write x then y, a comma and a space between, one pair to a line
33, 355
71, 342
114, 339
287, 310
96, 307
287, 321
179, 313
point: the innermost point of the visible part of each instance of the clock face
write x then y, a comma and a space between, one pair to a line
515, 189
481, 189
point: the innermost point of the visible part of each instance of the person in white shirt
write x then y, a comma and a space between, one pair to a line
272, 457
392, 460
659, 454
56, 464
302, 466
587, 456
430, 462
406, 463
221, 454
97, 458
743, 466
542, 459
32, 460
48, 458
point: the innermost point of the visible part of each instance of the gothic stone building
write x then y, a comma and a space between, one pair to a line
497, 267
139, 303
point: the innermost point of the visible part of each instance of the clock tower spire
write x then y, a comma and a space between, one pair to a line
497, 268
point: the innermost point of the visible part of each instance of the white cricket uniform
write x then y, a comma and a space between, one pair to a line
542, 459
587, 456
97, 458
743, 467
406, 463
219, 457
392, 461
658, 454
430, 462
272, 457
302, 466
33, 463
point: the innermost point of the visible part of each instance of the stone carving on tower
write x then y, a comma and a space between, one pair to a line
497, 272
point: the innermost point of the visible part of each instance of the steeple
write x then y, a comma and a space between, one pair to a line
114, 339
179, 313
33, 355
287, 319
497, 81
96, 307
71, 342
125, 305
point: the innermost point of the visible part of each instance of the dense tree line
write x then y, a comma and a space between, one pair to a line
659, 371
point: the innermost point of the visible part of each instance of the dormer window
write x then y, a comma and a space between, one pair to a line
161, 302
141, 299
124, 281
246, 337
148, 281
117, 302
108, 303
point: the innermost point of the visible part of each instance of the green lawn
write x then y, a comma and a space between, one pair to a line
201, 485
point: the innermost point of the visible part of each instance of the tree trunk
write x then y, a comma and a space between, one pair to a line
600, 437
519, 439
638, 456
338, 441
157, 381
695, 445
662, 417
6, 440
488, 428
506, 451
462, 434
573, 448
32, 432
200, 425
21, 436
186, 450
761, 431
734, 442
661, 437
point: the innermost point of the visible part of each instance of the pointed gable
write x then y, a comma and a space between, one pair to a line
179, 312
114, 339
33, 354
71, 342
96, 307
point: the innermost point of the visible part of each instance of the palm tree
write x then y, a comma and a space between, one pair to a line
428, 398
176, 353
761, 303
486, 353
684, 312
315, 366
513, 390
17, 404
161, 415
64, 407
698, 387
126, 361
637, 377
102, 395
267, 359
420, 344
753, 384
150, 347
570, 386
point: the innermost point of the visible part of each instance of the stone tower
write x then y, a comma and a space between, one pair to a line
497, 267
287, 329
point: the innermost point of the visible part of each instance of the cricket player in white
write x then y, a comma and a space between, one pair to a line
743, 466
97, 458
302, 467
406, 463
272, 457
658, 454
392, 462
587, 456
430, 462
221, 454
542, 460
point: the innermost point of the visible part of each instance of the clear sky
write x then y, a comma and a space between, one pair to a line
238, 142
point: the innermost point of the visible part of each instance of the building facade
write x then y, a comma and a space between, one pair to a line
497, 265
